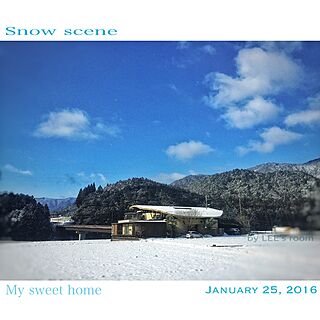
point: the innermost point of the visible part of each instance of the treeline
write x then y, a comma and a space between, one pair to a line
23, 218
83, 193
104, 206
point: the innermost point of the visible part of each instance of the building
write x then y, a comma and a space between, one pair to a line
135, 229
161, 221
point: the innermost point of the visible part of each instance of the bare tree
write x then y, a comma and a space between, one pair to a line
190, 217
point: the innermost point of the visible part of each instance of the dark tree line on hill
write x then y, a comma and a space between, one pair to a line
23, 218
109, 204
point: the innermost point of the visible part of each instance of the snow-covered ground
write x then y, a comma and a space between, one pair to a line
237, 257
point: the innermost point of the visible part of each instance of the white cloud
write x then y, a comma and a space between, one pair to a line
173, 87
271, 138
256, 111
309, 117
314, 101
285, 46
209, 49
188, 150
182, 45
73, 124
110, 130
191, 54
102, 177
169, 177
11, 168
67, 123
259, 72
96, 177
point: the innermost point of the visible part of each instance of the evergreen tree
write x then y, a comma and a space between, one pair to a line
79, 198
22, 218
83, 193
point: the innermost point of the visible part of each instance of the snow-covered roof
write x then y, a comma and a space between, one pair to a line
140, 221
196, 212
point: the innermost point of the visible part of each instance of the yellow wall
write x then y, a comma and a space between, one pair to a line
151, 215
128, 230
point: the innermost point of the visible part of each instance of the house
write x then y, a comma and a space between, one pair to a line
161, 221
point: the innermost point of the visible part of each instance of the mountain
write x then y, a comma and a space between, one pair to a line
314, 161
259, 199
311, 167
56, 204
107, 205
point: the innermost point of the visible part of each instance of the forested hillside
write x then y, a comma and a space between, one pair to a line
311, 167
23, 218
260, 200
102, 206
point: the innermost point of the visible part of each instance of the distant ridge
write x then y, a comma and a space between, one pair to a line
315, 161
311, 167
56, 204
263, 196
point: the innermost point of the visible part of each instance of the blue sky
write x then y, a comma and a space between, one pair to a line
72, 113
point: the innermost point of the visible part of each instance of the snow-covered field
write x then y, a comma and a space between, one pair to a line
237, 257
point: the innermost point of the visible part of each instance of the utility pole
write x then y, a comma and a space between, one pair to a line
206, 198
239, 196
239, 202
